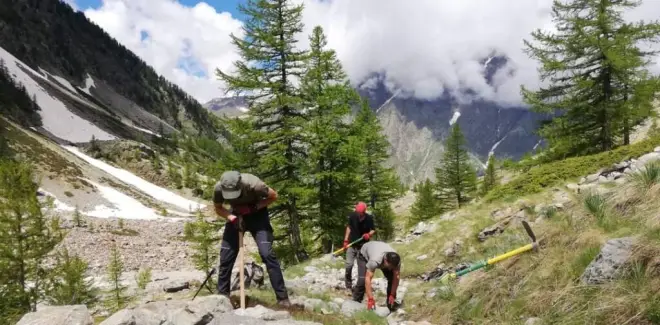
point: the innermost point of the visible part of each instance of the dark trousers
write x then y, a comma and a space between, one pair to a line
359, 288
258, 224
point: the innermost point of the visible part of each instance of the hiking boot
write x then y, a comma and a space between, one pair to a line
349, 285
284, 303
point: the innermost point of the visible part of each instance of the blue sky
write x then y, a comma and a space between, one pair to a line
219, 5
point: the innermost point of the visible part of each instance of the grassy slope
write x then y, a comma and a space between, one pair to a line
546, 284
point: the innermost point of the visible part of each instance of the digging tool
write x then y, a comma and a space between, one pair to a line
533, 245
241, 272
341, 250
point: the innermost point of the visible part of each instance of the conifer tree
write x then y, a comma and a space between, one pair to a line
490, 178
333, 151
456, 178
31, 236
269, 65
595, 71
204, 237
118, 297
426, 204
67, 281
380, 184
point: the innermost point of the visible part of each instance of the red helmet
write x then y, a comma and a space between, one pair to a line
361, 207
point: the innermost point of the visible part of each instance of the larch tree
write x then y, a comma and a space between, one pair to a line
456, 178
426, 204
266, 72
333, 151
490, 179
595, 70
22, 268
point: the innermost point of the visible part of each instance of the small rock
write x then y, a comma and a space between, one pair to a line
382, 311
657, 149
420, 228
176, 286
422, 257
533, 321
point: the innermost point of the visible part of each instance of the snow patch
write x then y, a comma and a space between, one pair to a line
89, 83
61, 81
57, 204
141, 129
396, 93
148, 188
454, 118
243, 109
57, 119
492, 150
490, 58
125, 207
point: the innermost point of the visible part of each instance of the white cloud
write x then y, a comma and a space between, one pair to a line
174, 34
424, 46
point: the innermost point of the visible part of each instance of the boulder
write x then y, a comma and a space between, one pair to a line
198, 312
350, 307
175, 285
58, 315
611, 260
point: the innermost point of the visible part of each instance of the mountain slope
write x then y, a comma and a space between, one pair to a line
50, 35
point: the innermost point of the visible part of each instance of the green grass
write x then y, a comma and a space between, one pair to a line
546, 175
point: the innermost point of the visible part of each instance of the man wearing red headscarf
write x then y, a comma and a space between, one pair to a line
360, 225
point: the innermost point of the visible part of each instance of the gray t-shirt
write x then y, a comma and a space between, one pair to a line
374, 252
253, 190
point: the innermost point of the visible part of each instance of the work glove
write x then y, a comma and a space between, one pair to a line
366, 236
246, 209
371, 304
345, 244
237, 222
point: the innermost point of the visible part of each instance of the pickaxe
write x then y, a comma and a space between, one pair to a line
533, 245
339, 251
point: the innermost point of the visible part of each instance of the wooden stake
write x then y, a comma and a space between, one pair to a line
241, 275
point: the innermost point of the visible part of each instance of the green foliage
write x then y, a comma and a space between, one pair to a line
143, 278
27, 237
15, 102
67, 283
490, 178
647, 176
77, 218
118, 298
63, 40
333, 151
456, 178
384, 221
598, 80
380, 184
269, 63
205, 240
174, 175
426, 204
546, 175
5, 149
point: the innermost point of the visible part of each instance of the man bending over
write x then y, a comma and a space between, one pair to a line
377, 255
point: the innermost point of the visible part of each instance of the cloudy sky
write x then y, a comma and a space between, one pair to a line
423, 46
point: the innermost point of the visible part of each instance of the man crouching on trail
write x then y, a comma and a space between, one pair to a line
373, 255
249, 197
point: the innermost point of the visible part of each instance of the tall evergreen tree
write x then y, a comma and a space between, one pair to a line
426, 204
490, 178
595, 69
380, 184
456, 177
333, 151
269, 65
31, 238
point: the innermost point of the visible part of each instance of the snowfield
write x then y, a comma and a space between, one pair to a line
125, 207
57, 119
148, 188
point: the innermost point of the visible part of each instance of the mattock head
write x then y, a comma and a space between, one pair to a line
530, 233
